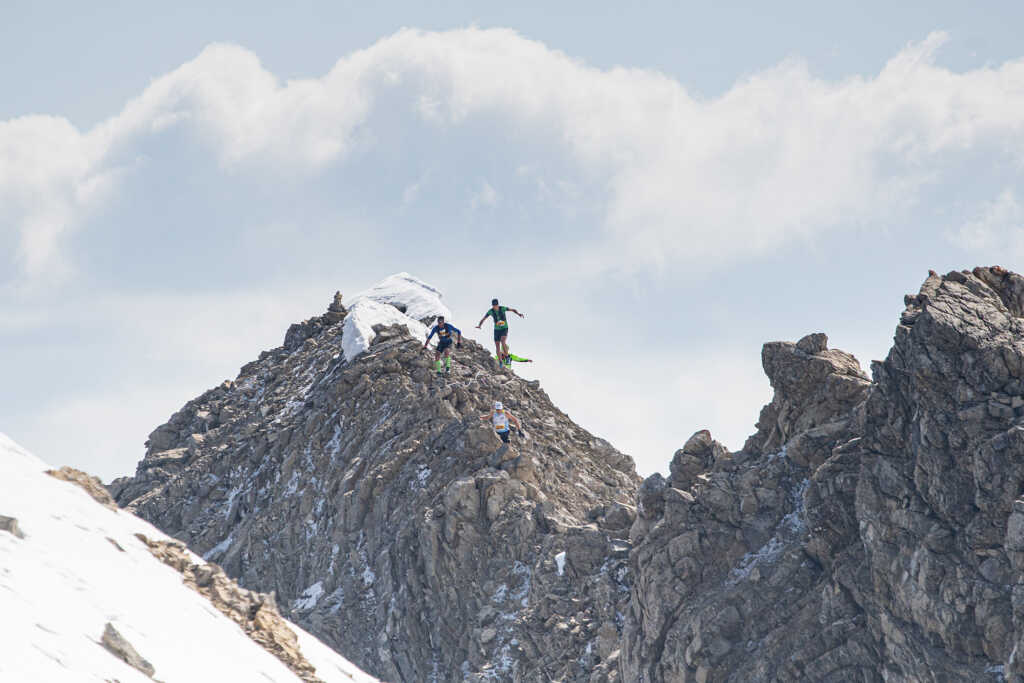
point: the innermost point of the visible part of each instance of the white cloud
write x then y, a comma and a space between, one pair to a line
781, 156
50, 175
999, 227
411, 192
485, 197
649, 404
146, 355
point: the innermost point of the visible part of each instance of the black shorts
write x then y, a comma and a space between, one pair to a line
443, 344
500, 333
504, 435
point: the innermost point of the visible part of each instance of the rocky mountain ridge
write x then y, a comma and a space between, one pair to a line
370, 497
868, 531
871, 529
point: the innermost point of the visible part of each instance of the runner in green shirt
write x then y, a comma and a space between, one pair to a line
500, 329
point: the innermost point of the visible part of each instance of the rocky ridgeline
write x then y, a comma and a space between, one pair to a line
867, 531
388, 519
870, 530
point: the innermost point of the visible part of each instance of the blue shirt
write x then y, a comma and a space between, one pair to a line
444, 331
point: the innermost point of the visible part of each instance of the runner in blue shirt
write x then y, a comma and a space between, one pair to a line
444, 332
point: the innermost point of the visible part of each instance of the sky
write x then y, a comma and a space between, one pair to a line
660, 187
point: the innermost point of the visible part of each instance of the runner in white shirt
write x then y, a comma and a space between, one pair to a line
501, 419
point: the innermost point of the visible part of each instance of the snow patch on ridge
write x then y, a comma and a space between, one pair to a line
788, 532
217, 550
419, 299
310, 597
80, 566
383, 304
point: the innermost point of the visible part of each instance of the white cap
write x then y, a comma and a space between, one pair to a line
498, 406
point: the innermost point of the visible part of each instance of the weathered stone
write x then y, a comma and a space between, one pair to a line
10, 525
385, 514
90, 484
256, 613
116, 644
813, 386
695, 457
868, 531
650, 503
905, 493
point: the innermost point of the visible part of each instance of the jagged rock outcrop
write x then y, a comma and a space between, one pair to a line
10, 525
90, 484
815, 389
118, 645
256, 613
720, 573
387, 518
867, 531
870, 530
942, 462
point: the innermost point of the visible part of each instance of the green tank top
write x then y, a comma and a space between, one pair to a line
499, 316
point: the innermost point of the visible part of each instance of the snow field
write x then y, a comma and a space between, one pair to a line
66, 579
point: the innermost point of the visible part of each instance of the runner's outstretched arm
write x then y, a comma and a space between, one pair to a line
482, 320
517, 313
514, 420
429, 336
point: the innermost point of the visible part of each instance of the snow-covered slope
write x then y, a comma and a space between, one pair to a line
80, 566
398, 299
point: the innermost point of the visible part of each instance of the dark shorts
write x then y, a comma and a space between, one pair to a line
500, 333
443, 344
504, 435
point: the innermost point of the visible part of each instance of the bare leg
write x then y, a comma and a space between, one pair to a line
504, 345
497, 349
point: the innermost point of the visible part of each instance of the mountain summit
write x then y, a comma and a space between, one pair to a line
340, 473
871, 529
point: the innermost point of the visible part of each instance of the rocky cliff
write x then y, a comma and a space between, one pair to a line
870, 530
341, 473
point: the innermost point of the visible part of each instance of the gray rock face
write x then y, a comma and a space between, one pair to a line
866, 531
722, 579
255, 613
870, 530
118, 646
390, 520
814, 388
942, 462
10, 525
